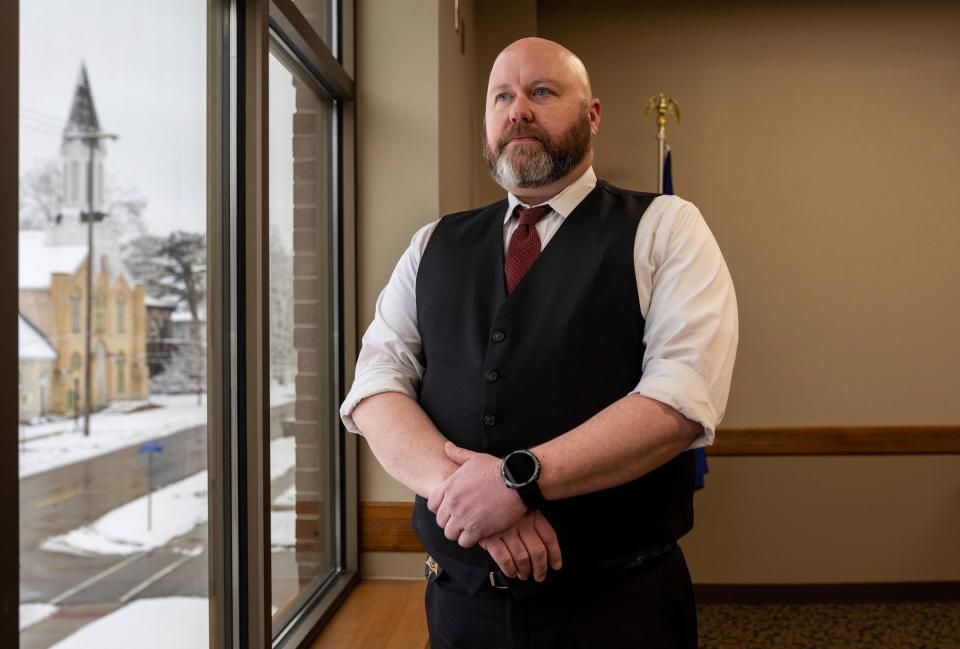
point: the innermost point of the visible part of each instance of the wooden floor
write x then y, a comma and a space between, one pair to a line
379, 614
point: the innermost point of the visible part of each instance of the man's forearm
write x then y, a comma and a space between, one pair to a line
411, 449
404, 440
622, 442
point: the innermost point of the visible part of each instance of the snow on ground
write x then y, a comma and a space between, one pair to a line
177, 509
30, 614
58, 443
160, 623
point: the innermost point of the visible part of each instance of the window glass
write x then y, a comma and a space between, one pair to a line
113, 438
301, 339
319, 13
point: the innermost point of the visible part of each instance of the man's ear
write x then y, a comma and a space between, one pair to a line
594, 112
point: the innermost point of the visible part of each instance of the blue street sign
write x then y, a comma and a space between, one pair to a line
151, 447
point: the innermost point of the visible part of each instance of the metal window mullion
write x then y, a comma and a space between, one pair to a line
222, 358
253, 329
9, 383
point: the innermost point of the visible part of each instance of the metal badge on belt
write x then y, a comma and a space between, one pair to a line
431, 570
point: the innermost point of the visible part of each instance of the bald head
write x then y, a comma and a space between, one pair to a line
545, 55
540, 118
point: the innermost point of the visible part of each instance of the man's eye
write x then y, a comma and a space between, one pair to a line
501, 97
541, 92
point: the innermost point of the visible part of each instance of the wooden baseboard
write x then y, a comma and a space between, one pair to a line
387, 527
837, 440
863, 593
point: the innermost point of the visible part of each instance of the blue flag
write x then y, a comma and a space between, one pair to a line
699, 455
667, 173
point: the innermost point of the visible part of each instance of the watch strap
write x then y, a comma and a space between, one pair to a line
531, 496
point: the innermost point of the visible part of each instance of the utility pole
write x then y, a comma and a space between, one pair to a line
92, 140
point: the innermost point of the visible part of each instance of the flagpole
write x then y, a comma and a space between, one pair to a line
661, 141
664, 106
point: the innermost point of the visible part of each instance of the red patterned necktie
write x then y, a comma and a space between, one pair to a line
524, 245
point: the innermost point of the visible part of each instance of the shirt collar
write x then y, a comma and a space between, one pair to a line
564, 202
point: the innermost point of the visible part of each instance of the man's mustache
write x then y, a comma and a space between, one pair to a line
520, 130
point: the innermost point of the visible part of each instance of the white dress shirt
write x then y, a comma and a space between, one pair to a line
686, 299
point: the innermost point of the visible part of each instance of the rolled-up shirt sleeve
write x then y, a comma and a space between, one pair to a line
390, 356
691, 323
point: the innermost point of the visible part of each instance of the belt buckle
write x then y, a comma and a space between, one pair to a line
431, 569
494, 581
643, 558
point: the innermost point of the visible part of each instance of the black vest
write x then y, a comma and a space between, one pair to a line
511, 372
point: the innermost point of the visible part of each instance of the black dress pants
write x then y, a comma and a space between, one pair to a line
650, 606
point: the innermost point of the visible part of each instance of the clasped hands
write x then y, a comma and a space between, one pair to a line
474, 506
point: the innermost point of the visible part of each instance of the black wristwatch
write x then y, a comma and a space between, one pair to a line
521, 470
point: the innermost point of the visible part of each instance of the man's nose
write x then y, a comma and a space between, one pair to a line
521, 110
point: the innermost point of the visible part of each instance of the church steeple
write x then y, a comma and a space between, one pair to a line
83, 112
75, 157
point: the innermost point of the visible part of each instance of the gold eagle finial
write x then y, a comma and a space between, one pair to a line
664, 106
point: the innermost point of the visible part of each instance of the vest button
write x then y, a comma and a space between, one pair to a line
499, 336
489, 420
492, 376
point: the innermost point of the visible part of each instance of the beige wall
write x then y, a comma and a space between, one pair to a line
415, 150
827, 519
821, 145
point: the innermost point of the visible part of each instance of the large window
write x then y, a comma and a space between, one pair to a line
113, 464
301, 336
184, 479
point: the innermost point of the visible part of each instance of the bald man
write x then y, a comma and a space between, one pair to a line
538, 372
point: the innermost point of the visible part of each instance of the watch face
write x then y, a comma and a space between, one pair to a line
520, 468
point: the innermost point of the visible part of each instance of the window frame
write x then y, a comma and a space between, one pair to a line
9, 356
238, 386
239, 45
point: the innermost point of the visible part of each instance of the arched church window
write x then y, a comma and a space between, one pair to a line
75, 311
99, 303
121, 312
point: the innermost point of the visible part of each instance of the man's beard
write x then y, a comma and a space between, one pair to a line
527, 165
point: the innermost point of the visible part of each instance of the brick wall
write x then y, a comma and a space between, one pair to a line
311, 334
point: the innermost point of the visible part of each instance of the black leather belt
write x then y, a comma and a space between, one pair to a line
499, 580
523, 588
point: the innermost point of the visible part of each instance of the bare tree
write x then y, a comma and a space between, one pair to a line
125, 206
41, 194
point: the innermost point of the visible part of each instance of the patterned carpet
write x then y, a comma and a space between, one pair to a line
830, 626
